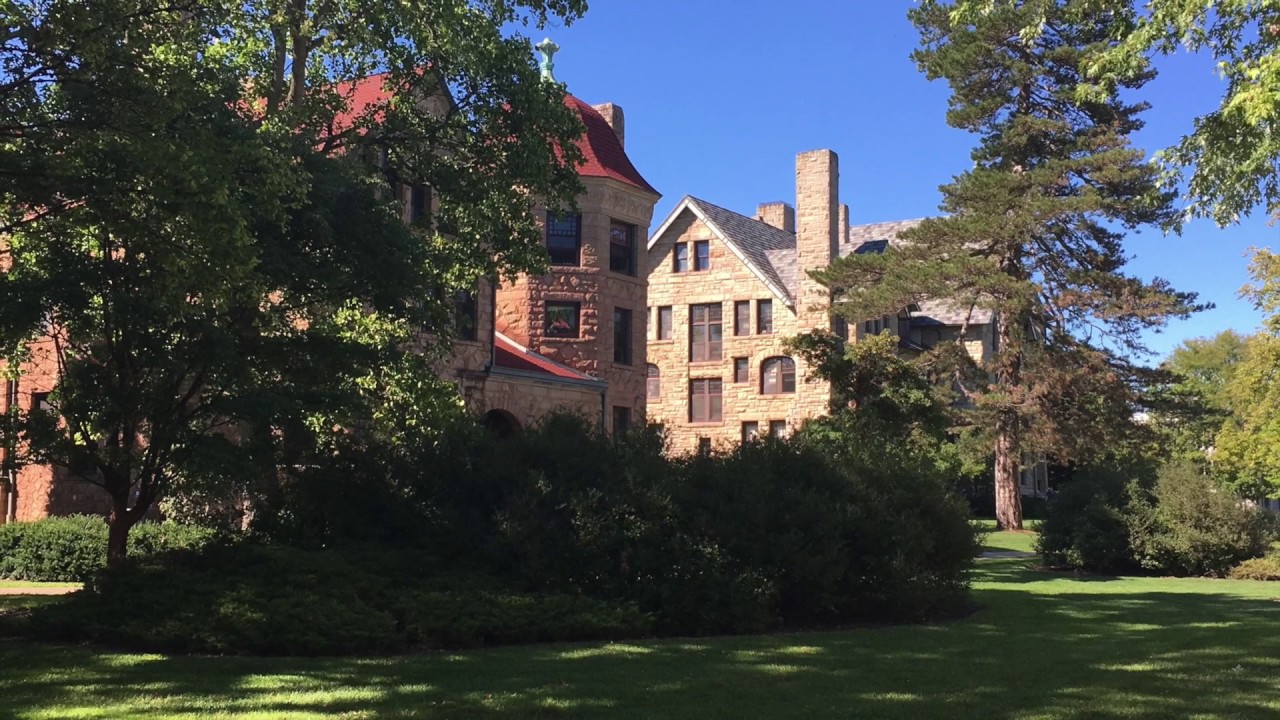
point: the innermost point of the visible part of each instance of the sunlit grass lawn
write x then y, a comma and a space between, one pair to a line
23, 584
1023, 541
1043, 646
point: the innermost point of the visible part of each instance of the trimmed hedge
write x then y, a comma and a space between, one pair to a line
70, 549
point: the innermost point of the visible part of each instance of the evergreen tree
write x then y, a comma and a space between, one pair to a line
1033, 233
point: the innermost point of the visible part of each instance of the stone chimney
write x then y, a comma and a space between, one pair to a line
817, 230
778, 214
844, 224
612, 114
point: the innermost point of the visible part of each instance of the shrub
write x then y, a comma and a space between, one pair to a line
70, 549
1189, 524
1262, 568
1183, 523
1085, 526
251, 599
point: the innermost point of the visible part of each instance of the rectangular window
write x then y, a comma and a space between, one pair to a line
621, 419
778, 428
10, 395
680, 258
742, 317
706, 333
705, 401
622, 336
750, 431
622, 248
704, 446
764, 317
741, 370
464, 314
419, 202
564, 239
664, 322
562, 319
40, 401
702, 255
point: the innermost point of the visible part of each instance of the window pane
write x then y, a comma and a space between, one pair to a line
702, 259
714, 408
764, 309
653, 382
664, 322
769, 378
742, 317
562, 319
788, 375
464, 314
621, 419
777, 428
622, 336
681, 258
418, 196
750, 431
622, 248
713, 312
741, 370
564, 239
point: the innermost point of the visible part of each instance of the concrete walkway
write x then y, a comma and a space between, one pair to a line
1006, 554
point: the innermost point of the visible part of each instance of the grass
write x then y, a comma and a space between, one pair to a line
24, 584
1044, 646
997, 541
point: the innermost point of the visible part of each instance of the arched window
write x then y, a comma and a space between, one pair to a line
653, 383
778, 376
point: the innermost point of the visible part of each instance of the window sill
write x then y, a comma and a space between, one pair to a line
668, 341
707, 424
706, 363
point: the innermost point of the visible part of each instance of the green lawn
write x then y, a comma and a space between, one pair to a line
1043, 646
1023, 541
6, 584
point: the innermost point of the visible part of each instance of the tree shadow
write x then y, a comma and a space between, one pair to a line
1075, 655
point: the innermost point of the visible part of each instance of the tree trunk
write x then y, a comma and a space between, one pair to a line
119, 522
1008, 499
1008, 450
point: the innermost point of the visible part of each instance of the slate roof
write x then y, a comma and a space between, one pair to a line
771, 254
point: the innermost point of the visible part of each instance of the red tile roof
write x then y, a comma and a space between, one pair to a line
603, 154
513, 356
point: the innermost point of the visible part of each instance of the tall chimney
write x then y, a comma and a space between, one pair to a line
844, 224
612, 114
817, 230
778, 214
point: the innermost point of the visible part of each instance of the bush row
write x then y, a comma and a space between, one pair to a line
252, 599
1184, 523
70, 549
562, 533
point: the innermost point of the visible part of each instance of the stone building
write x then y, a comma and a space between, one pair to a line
572, 339
725, 291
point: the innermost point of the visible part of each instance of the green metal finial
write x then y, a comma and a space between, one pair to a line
548, 64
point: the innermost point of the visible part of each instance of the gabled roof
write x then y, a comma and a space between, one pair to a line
759, 245
511, 355
603, 153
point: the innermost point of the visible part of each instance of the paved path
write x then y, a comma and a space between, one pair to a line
1005, 554
37, 590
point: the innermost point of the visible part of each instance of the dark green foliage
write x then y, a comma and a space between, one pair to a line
251, 599
70, 549
1263, 568
1189, 524
772, 534
1182, 523
1085, 526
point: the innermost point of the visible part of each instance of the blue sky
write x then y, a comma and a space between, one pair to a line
720, 96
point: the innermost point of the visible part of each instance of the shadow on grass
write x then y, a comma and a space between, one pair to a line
1075, 654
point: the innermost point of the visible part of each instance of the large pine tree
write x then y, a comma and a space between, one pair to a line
1033, 233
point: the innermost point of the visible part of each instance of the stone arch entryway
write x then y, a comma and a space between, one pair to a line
500, 423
